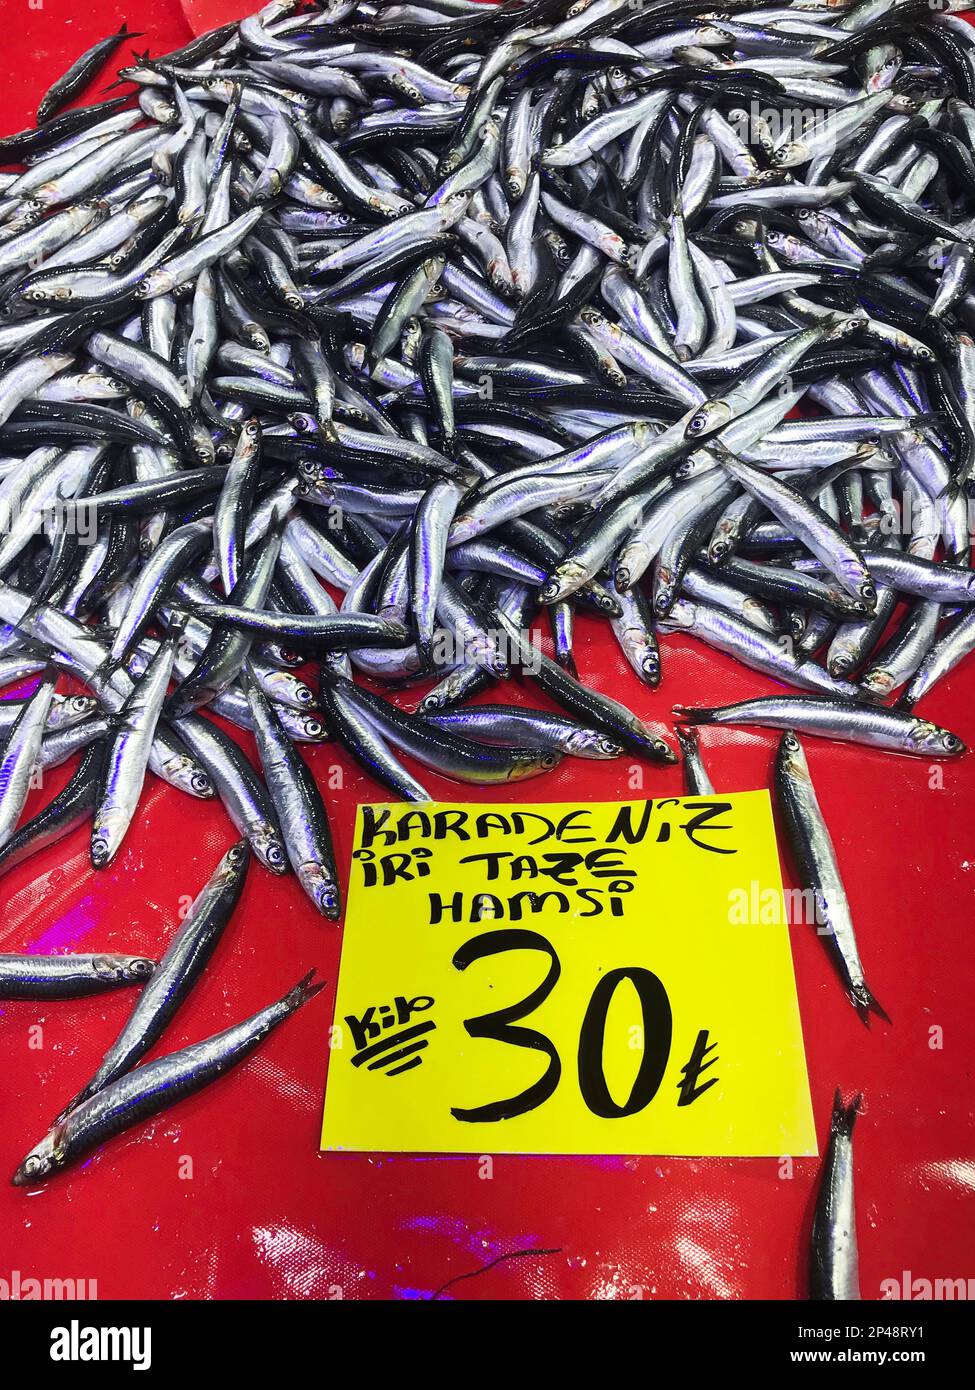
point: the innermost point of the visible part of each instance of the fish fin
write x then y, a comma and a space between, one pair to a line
865, 1003
306, 988
699, 714
844, 1116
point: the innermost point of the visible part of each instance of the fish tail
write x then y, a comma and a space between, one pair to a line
697, 714
306, 988
865, 1004
687, 738
844, 1116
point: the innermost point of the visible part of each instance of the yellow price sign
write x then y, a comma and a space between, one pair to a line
613, 978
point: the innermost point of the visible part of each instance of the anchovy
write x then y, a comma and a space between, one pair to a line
81, 72
815, 859
154, 1086
833, 1267
894, 730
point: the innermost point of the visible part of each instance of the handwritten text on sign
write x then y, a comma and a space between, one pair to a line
563, 979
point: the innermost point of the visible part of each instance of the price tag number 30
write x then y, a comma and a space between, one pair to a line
657, 1032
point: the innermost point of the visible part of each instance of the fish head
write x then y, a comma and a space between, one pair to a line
71, 710
184, 773
867, 592
812, 218
720, 548
202, 444
155, 283
235, 859
662, 750
930, 738
306, 726
564, 579
137, 969
435, 700
514, 182
791, 757
590, 743
529, 762
708, 417
107, 833
622, 578
54, 294
452, 209
295, 689
839, 663
38, 1165
665, 586
323, 891
266, 843
786, 156
605, 601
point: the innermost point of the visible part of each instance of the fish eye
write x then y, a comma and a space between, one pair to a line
697, 422
274, 855
200, 784
142, 967
314, 728
950, 742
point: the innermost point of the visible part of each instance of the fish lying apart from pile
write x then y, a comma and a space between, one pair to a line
121, 1093
467, 312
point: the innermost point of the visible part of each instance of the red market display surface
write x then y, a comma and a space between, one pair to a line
227, 1196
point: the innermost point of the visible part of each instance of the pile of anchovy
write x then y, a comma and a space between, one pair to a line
468, 312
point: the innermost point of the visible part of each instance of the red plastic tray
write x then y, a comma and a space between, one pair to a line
264, 1215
